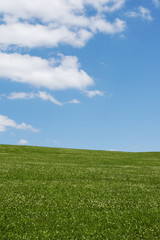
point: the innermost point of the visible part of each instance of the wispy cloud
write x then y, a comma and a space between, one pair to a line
74, 101
6, 122
41, 95
1, 96
94, 93
21, 95
47, 97
141, 12
156, 3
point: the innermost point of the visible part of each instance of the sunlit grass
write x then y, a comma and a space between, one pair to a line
48, 193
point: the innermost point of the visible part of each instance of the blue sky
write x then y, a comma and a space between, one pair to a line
80, 74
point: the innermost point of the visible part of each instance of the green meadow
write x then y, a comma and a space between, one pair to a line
50, 193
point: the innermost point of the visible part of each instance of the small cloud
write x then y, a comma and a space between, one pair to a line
42, 95
145, 13
45, 96
21, 95
141, 12
156, 3
55, 142
122, 36
5, 122
24, 126
23, 142
74, 101
94, 93
1, 96
132, 14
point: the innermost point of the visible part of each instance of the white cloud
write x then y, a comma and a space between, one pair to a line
43, 73
100, 24
45, 96
74, 101
21, 95
156, 3
63, 11
23, 142
48, 23
42, 95
132, 14
141, 12
28, 35
94, 93
48, 97
62, 21
5, 123
145, 13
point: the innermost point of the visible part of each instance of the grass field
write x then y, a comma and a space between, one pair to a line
48, 193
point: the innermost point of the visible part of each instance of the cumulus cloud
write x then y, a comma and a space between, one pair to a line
40, 72
141, 12
29, 35
61, 11
50, 22
6, 122
23, 142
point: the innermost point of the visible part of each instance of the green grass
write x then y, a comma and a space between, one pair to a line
48, 193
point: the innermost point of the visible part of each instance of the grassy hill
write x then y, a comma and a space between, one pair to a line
48, 193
